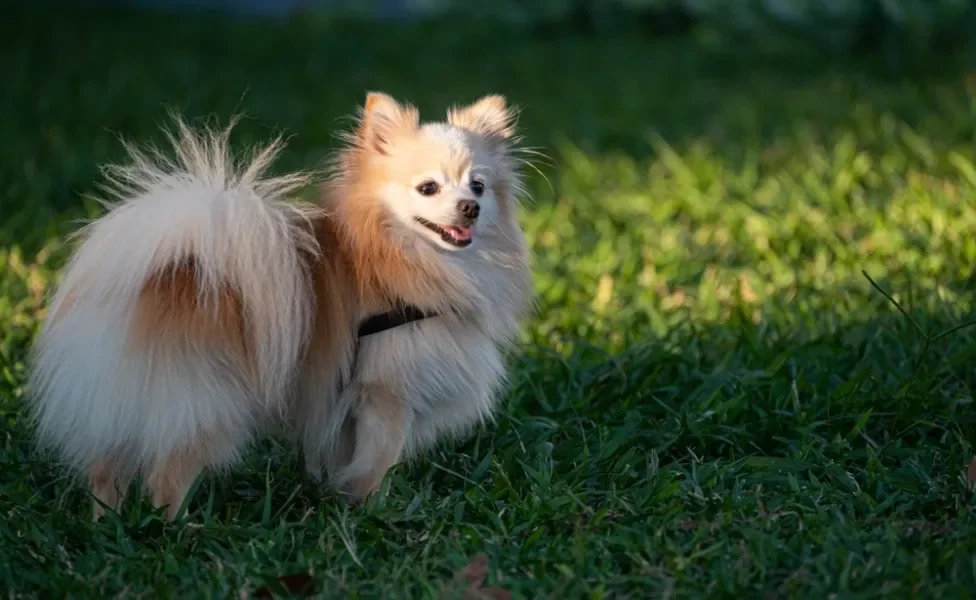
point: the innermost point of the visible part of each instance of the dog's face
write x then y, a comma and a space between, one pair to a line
441, 181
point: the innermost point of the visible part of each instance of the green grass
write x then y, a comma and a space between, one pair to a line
712, 401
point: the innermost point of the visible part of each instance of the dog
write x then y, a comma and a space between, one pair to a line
207, 304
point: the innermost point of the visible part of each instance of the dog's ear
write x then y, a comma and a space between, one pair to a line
490, 116
382, 118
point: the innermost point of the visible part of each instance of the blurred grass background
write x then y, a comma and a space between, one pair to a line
712, 400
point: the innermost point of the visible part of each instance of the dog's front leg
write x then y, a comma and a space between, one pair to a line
381, 424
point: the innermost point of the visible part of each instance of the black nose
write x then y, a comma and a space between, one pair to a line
469, 208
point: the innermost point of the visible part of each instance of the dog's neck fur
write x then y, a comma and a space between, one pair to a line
391, 267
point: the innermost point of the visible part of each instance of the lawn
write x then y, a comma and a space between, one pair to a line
748, 375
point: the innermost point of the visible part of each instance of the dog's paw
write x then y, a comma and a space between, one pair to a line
353, 500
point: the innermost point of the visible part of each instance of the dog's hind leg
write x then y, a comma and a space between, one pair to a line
110, 480
169, 479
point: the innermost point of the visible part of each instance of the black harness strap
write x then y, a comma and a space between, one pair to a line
403, 314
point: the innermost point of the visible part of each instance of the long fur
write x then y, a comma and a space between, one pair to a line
205, 304
183, 312
440, 375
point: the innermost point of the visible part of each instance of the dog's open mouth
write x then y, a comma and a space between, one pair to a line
452, 234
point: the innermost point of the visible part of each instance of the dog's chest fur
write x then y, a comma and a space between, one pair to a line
448, 369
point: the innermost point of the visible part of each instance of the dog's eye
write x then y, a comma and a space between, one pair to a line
428, 188
478, 187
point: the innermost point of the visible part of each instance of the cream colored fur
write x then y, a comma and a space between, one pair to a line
113, 404
95, 394
440, 375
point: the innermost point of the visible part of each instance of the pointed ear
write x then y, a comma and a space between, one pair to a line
490, 116
382, 117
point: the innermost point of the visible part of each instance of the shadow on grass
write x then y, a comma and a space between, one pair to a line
721, 431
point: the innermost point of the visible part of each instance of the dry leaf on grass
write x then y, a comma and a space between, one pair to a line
474, 577
971, 472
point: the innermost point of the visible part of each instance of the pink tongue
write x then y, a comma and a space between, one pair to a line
459, 233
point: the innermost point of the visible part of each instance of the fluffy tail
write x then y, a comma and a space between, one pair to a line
182, 315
